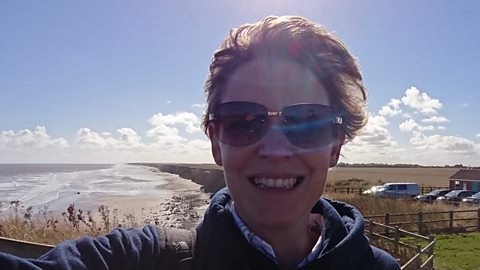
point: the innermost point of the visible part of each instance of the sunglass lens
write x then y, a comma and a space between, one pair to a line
308, 125
240, 123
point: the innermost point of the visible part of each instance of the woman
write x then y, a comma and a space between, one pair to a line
283, 96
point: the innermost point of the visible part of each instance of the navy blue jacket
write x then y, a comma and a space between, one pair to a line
219, 245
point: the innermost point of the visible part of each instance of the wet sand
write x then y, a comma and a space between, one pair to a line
181, 205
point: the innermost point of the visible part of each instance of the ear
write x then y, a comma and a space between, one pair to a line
336, 147
215, 144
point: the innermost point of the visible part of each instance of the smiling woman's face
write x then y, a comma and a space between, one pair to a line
274, 83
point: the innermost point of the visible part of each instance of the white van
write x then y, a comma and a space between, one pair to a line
398, 190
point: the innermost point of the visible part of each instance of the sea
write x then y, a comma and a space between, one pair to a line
55, 186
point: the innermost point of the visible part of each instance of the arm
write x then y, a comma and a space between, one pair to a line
120, 249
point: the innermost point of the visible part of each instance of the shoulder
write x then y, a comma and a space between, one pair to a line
383, 260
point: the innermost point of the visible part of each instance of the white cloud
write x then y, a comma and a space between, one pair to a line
28, 146
128, 140
391, 109
165, 136
26, 139
168, 138
190, 120
177, 137
198, 105
452, 144
376, 142
172, 138
375, 132
411, 125
421, 101
408, 125
373, 144
435, 120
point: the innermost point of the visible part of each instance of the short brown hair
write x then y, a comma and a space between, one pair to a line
302, 41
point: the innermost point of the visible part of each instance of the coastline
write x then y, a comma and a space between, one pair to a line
208, 176
181, 205
173, 199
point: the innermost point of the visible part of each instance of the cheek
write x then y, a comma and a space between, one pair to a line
236, 158
318, 160
318, 165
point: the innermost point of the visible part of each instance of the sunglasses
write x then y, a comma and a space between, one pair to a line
241, 123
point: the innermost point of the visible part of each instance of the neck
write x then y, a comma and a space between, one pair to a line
291, 243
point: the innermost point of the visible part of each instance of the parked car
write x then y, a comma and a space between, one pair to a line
455, 196
371, 191
475, 198
398, 190
432, 195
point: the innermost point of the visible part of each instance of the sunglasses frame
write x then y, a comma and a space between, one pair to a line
337, 121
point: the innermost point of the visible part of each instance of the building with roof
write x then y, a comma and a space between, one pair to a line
466, 179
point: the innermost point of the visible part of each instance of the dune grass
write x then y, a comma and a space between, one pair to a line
42, 226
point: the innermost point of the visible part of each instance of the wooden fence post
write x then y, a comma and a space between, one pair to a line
370, 232
418, 262
387, 222
430, 251
450, 224
478, 220
420, 223
397, 239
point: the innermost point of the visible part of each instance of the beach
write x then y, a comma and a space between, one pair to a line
181, 205
130, 194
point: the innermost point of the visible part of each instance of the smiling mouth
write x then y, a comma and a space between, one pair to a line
277, 183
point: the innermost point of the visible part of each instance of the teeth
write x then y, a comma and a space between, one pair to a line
284, 183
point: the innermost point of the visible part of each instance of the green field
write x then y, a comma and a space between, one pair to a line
457, 251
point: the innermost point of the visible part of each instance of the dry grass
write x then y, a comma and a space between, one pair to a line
399, 210
370, 206
43, 227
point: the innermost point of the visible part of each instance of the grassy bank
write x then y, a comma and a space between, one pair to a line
457, 251
42, 226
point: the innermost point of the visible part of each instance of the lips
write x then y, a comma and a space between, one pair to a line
275, 182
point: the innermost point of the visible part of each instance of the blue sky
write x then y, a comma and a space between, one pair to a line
122, 81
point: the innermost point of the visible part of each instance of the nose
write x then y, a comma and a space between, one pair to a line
275, 145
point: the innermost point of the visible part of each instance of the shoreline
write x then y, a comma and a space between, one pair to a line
179, 202
208, 176
181, 205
